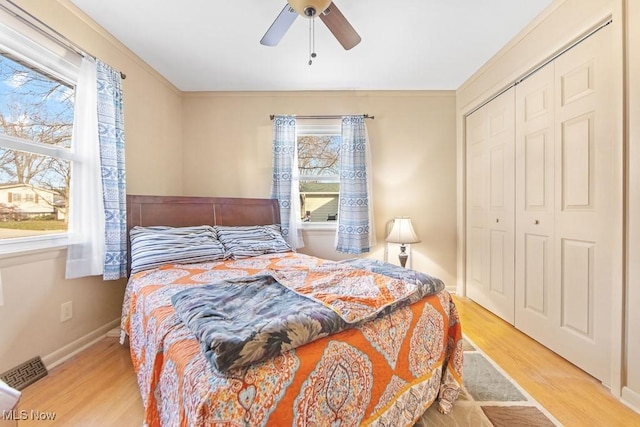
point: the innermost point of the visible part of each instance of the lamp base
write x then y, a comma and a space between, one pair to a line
403, 255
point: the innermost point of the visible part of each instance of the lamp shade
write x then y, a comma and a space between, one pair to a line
402, 231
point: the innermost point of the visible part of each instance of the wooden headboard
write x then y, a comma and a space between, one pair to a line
182, 211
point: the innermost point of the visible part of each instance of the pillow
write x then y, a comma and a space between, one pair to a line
158, 245
247, 241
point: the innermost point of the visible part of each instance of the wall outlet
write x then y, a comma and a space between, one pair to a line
66, 311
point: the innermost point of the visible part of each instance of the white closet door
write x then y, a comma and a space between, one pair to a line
585, 202
565, 203
535, 252
477, 242
490, 206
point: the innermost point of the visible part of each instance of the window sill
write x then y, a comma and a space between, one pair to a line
328, 226
23, 247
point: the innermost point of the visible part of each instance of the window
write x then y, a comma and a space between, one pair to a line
37, 89
318, 144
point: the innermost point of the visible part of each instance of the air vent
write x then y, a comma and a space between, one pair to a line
25, 374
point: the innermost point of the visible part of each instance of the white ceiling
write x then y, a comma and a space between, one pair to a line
213, 45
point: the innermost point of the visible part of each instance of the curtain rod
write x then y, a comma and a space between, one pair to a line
366, 116
47, 31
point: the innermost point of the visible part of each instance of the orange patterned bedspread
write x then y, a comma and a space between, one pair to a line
386, 372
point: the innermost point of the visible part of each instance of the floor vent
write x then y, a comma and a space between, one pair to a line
25, 374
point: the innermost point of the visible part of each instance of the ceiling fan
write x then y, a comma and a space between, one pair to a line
326, 10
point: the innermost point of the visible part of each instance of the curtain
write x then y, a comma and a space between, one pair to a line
111, 138
85, 252
285, 186
97, 214
355, 234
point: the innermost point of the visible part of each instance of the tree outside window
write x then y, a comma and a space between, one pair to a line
319, 169
36, 123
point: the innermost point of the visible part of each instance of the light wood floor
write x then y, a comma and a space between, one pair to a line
98, 386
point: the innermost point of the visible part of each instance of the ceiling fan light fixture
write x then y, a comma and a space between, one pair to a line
328, 13
309, 8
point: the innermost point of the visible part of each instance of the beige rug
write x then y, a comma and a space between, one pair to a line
489, 398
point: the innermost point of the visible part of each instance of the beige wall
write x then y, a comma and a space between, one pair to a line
561, 23
33, 286
227, 152
631, 390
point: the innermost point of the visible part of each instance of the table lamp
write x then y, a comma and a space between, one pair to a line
402, 232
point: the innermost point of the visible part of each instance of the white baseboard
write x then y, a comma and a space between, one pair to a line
61, 355
114, 333
631, 399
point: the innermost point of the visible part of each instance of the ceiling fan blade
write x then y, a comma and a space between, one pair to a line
340, 27
279, 27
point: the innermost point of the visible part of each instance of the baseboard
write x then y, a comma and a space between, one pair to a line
61, 355
631, 399
114, 333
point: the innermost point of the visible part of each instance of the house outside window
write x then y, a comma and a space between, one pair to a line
318, 145
37, 90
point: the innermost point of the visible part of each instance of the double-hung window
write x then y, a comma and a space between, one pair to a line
37, 89
318, 145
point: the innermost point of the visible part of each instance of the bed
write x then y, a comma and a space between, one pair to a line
347, 357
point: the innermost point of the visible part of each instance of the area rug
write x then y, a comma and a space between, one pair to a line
489, 398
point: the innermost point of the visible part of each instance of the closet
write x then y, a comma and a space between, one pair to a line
540, 204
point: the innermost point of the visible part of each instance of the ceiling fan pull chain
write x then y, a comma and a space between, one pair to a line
312, 39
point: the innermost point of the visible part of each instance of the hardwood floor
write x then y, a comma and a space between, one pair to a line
95, 388
574, 397
98, 386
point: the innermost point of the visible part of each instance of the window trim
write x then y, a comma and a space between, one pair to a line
59, 64
319, 226
318, 127
63, 64
52, 241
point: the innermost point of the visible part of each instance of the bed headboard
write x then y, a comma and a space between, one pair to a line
182, 211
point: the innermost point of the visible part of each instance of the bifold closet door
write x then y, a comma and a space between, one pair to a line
565, 176
490, 205
535, 219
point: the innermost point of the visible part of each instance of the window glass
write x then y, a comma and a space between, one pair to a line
319, 168
36, 122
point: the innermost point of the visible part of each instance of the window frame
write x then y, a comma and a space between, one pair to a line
318, 127
59, 63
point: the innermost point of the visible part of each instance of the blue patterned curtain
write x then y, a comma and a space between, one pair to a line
285, 185
355, 233
111, 138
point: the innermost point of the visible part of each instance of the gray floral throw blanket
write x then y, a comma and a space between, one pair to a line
249, 319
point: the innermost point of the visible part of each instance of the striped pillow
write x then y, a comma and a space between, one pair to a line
248, 241
154, 246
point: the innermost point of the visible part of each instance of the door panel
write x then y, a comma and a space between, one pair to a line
477, 240
535, 203
490, 205
577, 287
497, 279
535, 168
564, 205
536, 274
584, 155
577, 163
